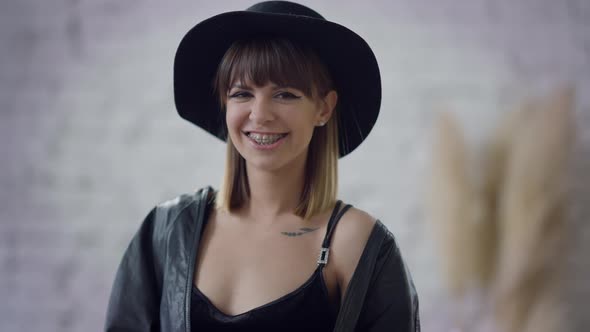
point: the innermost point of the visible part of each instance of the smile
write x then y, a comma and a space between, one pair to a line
265, 140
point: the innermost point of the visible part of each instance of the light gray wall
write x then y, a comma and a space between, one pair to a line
90, 139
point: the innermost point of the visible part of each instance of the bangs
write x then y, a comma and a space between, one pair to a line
279, 61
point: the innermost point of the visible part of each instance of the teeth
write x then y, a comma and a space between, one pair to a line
265, 139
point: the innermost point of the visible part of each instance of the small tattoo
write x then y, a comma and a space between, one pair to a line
302, 231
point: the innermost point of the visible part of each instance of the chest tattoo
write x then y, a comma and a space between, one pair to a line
302, 231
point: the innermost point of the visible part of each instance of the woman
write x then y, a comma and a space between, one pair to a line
290, 92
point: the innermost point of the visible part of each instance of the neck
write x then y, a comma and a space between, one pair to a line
274, 193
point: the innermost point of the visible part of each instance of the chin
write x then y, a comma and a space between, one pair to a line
276, 162
265, 164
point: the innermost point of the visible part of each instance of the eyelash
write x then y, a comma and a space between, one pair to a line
287, 95
240, 94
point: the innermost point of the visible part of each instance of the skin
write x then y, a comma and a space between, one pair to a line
240, 277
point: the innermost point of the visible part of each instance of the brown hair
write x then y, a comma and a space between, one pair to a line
284, 63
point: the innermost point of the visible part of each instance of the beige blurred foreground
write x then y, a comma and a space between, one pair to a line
500, 217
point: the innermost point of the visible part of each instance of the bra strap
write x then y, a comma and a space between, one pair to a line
337, 213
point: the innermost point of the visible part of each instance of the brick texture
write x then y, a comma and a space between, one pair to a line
90, 139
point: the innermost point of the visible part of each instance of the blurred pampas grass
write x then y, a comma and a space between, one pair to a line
498, 215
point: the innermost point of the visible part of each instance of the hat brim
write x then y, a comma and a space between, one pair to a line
349, 59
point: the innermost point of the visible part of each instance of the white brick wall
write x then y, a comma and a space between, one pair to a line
90, 139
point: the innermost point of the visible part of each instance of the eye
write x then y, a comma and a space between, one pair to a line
240, 95
286, 95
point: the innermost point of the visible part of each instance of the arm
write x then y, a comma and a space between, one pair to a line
135, 296
391, 303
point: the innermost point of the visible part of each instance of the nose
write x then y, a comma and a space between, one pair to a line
261, 111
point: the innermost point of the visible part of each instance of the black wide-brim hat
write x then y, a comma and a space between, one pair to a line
347, 56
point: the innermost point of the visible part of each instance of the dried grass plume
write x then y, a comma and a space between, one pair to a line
502, 228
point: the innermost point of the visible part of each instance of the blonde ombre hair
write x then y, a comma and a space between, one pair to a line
286, 63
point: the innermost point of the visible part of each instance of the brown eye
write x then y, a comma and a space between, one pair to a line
240, 95
286, 95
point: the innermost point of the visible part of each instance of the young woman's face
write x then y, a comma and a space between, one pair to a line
271, 126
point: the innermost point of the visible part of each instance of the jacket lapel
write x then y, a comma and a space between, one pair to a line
195, 228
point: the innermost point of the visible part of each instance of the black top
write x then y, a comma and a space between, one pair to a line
307, 308
152, 290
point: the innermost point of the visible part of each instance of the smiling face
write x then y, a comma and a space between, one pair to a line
271, 126
278, 99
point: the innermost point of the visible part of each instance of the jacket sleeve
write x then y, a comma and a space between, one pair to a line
135, 295
391, 303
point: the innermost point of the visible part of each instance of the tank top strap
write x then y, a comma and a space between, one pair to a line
337, 213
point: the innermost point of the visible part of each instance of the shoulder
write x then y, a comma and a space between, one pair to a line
171, 208
166, 213
391, 299
354, 227
349, 241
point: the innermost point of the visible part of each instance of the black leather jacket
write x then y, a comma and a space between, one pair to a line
152, 287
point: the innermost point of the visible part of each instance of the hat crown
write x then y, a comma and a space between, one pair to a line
284, 8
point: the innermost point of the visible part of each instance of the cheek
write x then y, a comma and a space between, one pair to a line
306, 123
303, 129
234, 120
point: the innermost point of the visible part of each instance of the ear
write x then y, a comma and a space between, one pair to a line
327, 105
